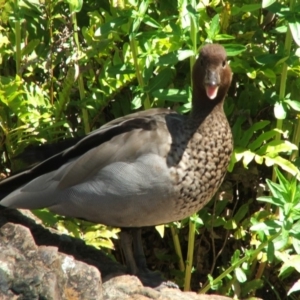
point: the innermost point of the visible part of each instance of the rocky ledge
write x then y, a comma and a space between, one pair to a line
36, 263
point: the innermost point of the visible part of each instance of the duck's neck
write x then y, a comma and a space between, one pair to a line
203, 106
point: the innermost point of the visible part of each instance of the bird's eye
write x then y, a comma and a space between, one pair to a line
224, 63
201, 62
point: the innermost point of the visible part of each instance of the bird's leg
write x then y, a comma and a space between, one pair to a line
126, 245
138, 250
136, 261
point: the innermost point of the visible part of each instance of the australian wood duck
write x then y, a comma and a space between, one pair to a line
144, 169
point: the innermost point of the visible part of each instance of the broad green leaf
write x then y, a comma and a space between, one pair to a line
274, 147
270, 59
234, 49
267, 225
295, 30
270, 74
162, 80
284, 164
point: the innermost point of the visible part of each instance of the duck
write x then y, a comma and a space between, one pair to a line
145, 169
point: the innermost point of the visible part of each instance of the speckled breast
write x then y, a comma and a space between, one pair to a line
203, 165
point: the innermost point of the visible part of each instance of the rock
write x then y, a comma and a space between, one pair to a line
41, 272
38, 263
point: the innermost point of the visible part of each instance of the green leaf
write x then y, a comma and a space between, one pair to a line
214, 27
151, 22
270, 252
293, 104
279, 111
234, 49
247, 158
48, 218
295, 30
75, 5
240, 275
30, 47
252, 285
224, 37
294, 288
162, 80
281, 241
266, 3
262, 139
110, 26
267, 225
161, 230
250, 7
274, 147
293, 262
171, 95
184, 54
240, 214
283, 163
247, 135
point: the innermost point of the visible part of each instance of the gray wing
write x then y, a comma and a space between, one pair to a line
114, 183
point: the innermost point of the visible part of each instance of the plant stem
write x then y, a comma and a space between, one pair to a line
190, 254
238, 263
177, 247
85, 117
192, 225
18, 38
283, 78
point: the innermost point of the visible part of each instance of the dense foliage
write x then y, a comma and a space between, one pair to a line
68, 67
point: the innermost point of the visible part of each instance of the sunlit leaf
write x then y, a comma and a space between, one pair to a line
75, 5
266, 3
240, 275
279, 111
234, 49
295, 30
293, 104
161, 230
294, 288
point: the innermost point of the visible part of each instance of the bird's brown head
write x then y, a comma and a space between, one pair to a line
211, 74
